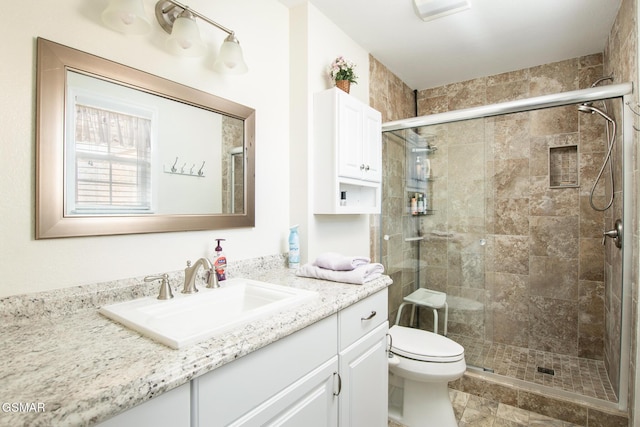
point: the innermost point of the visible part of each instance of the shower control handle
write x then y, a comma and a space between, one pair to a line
615, 234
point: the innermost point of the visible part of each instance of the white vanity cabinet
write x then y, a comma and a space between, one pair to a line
347, 154
363, 362
168, 409
332, 373
291, 382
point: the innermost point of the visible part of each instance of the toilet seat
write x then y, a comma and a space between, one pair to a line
424, 346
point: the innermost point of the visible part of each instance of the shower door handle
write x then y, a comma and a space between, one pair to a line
615, 234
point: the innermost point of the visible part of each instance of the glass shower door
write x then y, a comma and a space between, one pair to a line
455, 245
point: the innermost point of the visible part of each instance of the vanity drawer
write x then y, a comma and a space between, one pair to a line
362, 317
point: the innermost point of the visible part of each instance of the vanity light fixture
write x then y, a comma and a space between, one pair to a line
126, 16
434, 9
185, 37
179, 21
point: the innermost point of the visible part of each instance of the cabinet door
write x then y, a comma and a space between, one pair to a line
372, 145
309, 402
364, 373
350, 134
231, 392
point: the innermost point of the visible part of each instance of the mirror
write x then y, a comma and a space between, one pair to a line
121, 151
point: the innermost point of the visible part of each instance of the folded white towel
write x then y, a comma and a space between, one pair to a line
338, 262
357, 276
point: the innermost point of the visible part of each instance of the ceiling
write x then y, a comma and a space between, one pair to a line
492, 37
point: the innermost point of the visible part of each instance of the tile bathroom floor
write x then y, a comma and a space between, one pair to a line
474, 411
586, 377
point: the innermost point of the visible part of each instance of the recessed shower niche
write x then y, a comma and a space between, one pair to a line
563, 166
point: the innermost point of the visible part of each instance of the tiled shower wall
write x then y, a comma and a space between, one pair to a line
530, 253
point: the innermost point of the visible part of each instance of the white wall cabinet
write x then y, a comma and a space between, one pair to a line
347, 154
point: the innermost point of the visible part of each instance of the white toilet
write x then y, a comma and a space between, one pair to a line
422, 366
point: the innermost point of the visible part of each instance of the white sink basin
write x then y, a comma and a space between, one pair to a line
188, 319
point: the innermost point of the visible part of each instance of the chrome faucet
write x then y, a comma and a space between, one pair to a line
190, 274
165, 290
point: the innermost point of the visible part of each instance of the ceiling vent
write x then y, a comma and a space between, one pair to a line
434, 9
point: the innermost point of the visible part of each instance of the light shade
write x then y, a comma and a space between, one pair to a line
185, 37
126, 16
433, 9
230, 59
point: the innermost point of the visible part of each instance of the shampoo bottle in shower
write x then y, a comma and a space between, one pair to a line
294, 247
220, 262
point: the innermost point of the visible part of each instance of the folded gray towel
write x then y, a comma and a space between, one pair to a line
339, 262
357, 276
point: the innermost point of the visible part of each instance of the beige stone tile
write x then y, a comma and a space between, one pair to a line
513, 251
555, 236
551, 201
591, 221
552, 121
512, 216
482, 405
476, 418
511, 178
547, 407
537, 420
552, 325
591, 258
513, 414
554, 77
553, 277
501, 422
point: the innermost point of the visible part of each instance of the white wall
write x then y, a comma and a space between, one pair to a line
316, 42
27, 265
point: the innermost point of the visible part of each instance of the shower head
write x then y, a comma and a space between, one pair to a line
588, 108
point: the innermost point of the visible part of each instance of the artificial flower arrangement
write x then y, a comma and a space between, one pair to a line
343, 69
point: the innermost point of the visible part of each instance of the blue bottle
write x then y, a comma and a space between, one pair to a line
294, 247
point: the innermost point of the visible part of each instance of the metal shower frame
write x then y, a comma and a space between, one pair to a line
621, 90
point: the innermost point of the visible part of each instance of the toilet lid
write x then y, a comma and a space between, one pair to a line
423, 345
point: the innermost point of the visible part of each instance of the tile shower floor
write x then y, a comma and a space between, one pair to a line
586, 377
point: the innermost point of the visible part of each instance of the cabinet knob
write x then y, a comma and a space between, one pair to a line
362, 167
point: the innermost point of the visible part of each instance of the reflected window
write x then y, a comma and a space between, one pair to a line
111, 157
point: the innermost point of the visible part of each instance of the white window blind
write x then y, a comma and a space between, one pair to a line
112, 160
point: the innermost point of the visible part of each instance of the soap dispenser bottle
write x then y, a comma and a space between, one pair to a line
220, 262
294, 247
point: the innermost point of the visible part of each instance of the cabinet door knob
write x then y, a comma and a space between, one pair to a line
369, 317
362, 167
366, 168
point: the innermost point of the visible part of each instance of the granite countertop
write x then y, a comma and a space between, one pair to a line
62, 356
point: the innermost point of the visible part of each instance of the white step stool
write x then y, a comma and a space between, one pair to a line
427, 298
